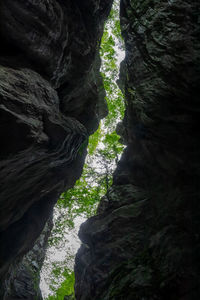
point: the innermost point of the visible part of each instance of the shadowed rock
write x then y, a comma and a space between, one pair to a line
51, 99
144, 242
23, 277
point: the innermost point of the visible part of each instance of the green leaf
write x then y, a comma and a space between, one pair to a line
94, 140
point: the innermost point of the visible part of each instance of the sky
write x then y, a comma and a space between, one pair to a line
66, 249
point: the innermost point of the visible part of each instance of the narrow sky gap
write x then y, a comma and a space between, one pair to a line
62, 254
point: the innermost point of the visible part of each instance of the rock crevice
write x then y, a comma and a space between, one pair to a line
51, 99
144, 241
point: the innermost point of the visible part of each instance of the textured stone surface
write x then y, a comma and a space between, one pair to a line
23, 278
59, 39
39, 158
144, 242
51, 99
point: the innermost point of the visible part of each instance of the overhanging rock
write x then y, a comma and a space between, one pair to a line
51, 99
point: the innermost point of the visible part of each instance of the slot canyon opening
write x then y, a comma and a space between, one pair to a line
143, 241
104, 151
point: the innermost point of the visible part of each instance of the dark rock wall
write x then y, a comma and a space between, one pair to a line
23, 277
51, 99
144, 242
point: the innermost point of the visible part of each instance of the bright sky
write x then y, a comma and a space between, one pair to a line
71, 243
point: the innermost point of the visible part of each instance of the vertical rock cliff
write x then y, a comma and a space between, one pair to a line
51, 99
144, 242
23, 277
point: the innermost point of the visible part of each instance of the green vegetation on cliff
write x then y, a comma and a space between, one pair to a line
104, 150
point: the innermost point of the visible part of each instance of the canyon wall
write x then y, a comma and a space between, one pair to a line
51, 99
22, 280
144, 242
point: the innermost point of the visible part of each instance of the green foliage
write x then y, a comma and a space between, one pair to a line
83, 198
112, 146
67, 286
104, 150
110, 44
94, 140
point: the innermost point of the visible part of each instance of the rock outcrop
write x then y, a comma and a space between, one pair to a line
23, 277
51, 99
144, 242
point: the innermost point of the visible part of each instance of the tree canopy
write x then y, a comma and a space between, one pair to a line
104, 151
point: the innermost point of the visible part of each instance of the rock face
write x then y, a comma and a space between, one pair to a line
23, 278
51, 99
144, 242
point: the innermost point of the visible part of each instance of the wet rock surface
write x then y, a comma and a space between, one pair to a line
144, 241
51, 99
